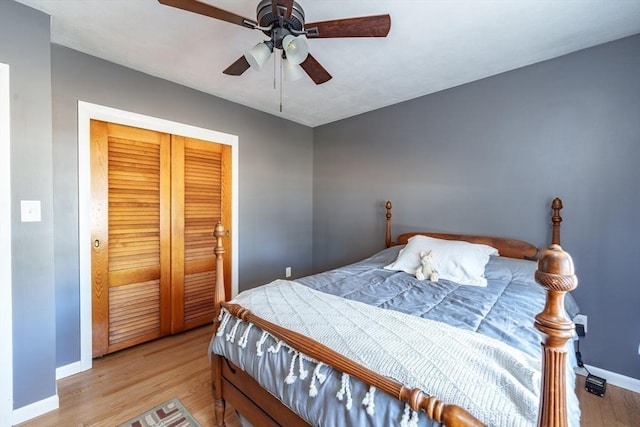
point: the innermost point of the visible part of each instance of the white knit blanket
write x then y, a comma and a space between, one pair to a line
496, 383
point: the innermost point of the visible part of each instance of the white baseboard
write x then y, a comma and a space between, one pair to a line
35, 409
68, 370
619, 380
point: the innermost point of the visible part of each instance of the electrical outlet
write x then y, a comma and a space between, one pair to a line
287, 272
582, 320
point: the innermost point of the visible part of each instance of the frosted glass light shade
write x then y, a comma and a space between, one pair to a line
295, 48
258, 55
291, 72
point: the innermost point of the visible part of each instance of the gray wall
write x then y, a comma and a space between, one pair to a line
275, 167
488, 157
24, 45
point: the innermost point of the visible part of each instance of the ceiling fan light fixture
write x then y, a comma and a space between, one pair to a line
295, 48
291, 72
258, 55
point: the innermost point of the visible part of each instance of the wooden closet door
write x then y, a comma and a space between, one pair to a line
201, 196
131, 265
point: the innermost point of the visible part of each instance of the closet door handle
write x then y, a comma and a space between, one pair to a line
96, 243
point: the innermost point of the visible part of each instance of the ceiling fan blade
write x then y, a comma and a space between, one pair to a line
365, 26
238, 67
205, 9
316, 71
282, 8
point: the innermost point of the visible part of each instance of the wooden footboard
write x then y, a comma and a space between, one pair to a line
555, 273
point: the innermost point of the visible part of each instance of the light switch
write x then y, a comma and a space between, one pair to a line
30, 211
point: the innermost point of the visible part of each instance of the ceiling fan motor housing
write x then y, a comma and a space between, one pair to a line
267, 18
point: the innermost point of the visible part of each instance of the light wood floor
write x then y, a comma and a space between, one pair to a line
618, 407
125, 384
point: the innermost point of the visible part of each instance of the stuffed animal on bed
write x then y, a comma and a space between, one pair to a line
427, 270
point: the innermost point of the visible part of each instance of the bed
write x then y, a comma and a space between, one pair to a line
370, 344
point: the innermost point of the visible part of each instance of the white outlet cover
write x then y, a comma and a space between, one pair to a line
30, 211
581, 319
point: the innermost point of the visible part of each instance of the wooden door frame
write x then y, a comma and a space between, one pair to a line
86, 112
6, 316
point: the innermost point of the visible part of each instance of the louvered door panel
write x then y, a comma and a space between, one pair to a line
134, 204
195, 215
202, 208
134, 241
133, 305
198, 295
134, 312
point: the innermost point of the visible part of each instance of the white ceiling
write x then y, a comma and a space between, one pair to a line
432, 45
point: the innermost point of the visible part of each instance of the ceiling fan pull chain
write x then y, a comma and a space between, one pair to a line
281, 79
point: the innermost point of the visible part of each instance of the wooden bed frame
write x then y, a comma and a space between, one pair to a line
555, 273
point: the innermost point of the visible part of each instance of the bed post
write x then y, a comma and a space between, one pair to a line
556, 274
218, 298
387, 236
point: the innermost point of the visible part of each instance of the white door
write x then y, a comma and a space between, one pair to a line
6, 336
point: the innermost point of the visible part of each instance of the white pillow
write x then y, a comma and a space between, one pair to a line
455, 260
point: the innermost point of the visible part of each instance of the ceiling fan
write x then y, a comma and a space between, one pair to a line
283, 21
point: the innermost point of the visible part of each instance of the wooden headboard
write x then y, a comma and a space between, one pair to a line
510, 248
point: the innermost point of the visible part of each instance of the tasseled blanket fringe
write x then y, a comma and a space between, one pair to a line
409, 418
345, 390
407, 421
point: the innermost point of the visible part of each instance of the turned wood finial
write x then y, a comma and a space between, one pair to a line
219, 233
556, 219
387, 236
555, 266
219, 295
556, 274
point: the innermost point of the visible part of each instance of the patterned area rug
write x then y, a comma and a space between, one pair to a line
169, 414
